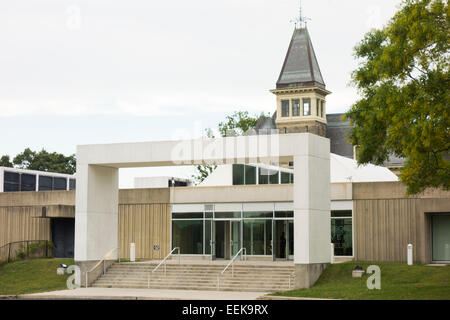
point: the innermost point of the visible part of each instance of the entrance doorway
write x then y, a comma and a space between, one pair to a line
226, 235
283, 238
440, 232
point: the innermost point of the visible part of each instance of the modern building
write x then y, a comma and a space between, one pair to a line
278, 197
12, 179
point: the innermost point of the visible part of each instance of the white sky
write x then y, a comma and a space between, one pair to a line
78, 72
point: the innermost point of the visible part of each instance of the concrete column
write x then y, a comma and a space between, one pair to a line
312, 229
96, 211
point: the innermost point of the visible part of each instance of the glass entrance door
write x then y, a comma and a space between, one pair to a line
283, 239
235, 238
220, 239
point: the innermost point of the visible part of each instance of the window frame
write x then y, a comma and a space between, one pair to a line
304, 100
283, 115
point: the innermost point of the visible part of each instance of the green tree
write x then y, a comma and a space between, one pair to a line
5, 161
236, 124
404, 84
45, 161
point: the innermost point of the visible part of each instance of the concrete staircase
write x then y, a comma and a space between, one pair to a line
247, 277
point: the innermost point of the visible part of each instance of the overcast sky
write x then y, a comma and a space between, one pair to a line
80, 72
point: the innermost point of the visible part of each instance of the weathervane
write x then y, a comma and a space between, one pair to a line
300, 22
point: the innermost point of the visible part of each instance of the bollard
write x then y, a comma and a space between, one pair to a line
332, 253
132, 252
410, 254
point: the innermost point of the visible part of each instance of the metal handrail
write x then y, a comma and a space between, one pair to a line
231, 263
164, 262
291, 276
102, 261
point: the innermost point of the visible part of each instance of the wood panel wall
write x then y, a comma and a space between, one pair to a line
383, 228
146, 225
20, 223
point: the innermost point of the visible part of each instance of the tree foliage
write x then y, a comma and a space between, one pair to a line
236, 124
5, 161
403, 79
42, 161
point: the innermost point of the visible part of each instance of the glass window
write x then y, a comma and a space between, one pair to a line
267, 176
27, 182
306, 106
285, 108
341, 214
250, 174
322, 103
275, 178
12, 177
45, 183
238, 174
208, 215
317, 107
341, 236
284, 214
287, 178
187, 215
226, 215
72, 184
188, 236
208, 236
257, 237
11, 181
59, 183
296, 108
258, 214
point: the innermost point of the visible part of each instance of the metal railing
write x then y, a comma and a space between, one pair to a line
103, 261
26, 249
163, 262
231, 263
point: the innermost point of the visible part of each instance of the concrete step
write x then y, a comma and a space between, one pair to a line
212, 288
247, 277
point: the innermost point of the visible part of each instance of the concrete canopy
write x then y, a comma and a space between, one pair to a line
96, 210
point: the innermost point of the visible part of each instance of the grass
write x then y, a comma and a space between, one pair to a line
398, 282
31, 276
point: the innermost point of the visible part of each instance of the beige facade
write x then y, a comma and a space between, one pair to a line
384, 220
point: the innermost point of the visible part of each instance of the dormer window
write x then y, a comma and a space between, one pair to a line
307, 107
296, 108
285, 108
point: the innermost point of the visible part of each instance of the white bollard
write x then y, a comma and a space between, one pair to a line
132, 252
332, 253
410, 254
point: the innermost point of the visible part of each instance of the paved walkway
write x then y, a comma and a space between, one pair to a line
143, 294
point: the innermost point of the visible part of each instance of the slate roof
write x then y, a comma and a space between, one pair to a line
300, 67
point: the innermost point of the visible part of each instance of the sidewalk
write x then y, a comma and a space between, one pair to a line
143, 294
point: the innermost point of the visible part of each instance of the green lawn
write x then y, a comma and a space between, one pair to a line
398, 282
30, 276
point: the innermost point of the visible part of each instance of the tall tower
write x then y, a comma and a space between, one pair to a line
300, 89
